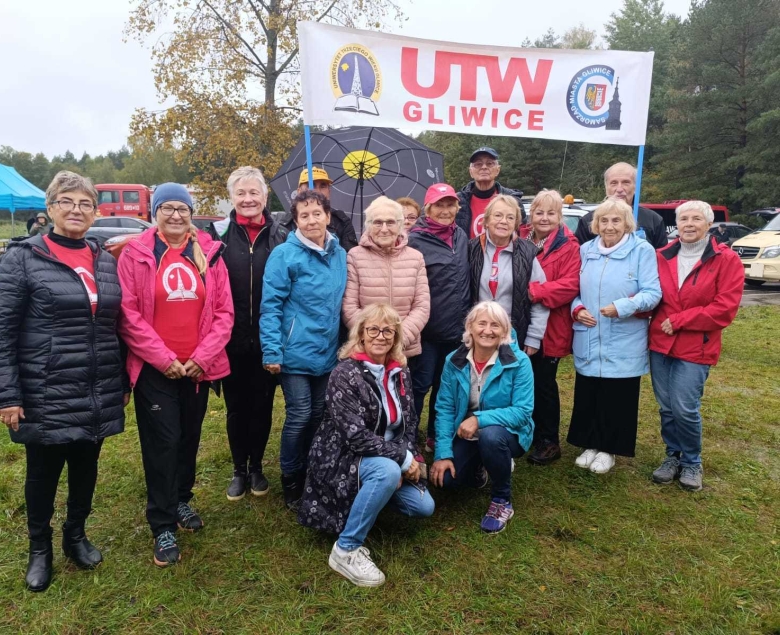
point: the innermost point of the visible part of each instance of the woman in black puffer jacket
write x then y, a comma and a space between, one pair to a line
63, 386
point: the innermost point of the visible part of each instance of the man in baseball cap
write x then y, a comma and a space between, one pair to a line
340, 223
483, 188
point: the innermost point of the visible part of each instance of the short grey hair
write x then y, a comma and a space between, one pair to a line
622, 164
696, 206
65, 181
383, 204
614, 206
246, 172
495, 312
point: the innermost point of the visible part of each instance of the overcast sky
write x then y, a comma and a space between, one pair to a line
69, 82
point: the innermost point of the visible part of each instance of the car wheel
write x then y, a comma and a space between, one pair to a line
754, 283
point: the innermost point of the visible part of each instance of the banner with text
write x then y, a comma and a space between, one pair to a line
352, 77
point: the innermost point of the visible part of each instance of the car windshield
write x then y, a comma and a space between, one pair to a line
772, 225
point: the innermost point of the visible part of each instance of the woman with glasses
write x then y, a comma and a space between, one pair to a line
62, 382
411, 211
384, 269
362, 456
300, 314
177, 317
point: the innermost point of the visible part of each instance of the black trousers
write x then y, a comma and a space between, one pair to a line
426, 369
44, 466
249, 398
547, 398
170, 416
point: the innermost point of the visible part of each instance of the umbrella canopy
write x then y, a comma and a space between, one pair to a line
364, 164
17, 193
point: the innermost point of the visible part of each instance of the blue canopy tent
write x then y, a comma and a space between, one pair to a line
17, 193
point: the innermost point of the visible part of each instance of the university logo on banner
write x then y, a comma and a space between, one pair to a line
356, 80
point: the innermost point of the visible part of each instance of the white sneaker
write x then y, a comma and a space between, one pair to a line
602, 463
586, 458
356, 566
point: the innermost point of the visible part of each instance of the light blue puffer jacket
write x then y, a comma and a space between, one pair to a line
627, 278
300, 311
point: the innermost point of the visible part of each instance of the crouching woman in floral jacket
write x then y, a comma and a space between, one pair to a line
362, 455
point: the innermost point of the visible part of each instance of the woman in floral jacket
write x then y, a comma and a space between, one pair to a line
362, 455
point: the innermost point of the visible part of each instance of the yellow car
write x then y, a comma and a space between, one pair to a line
760, 254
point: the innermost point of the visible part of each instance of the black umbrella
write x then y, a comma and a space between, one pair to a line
364, 163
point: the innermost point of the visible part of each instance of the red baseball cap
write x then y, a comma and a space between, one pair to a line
438, 191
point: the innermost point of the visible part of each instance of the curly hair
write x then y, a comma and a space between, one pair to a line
308, 195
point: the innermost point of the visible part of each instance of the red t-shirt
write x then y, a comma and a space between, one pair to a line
478, 207
179, 296
82, 262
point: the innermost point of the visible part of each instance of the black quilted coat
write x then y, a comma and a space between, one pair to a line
351, 429
57, 360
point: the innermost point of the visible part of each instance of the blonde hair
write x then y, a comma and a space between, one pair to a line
382, 204
407, 201
378, 313
613, 206
511, 201
696, 206
246, 172
197, 252
551, 198
495, 312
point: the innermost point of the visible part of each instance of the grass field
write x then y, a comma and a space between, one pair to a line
584, 553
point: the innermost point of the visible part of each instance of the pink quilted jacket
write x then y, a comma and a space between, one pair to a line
397, 278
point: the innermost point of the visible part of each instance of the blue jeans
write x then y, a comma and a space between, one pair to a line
379, 478
304, 405
678, 386
426, 369
495, 449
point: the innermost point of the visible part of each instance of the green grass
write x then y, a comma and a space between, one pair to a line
584, 553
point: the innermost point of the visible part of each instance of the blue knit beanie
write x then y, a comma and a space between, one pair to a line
168, 192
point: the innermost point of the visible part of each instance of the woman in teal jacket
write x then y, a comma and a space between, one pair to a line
483, 412
618, 286
303, 286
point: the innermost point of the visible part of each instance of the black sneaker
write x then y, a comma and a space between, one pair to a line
237, 488
545, 453
166, 551
188, 519
258, 484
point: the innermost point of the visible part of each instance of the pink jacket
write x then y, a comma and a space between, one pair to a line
137, 268
398, 279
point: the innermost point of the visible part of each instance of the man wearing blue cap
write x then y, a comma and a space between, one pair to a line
483, 188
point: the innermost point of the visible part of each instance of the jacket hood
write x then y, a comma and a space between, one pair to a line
506, 356
330, 245
368, 242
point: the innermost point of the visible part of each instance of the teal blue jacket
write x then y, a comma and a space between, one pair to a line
507, 397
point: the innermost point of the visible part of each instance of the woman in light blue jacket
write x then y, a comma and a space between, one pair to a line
303, 286
483, 412
618, 286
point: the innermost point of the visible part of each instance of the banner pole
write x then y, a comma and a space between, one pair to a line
307, 136
639, 162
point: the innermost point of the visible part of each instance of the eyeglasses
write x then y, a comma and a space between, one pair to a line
411, 217
510, 218
168, 210
378, 224
374, 331
484, 164
69, 206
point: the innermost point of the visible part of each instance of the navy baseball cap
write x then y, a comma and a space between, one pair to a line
483, 150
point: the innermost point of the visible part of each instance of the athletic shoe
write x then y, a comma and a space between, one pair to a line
480, 477
237, 487
691, 477
667, 471
356, 566
586, 458
545, 453
188, 519
498, 515
258, 484
166, 551
603, 463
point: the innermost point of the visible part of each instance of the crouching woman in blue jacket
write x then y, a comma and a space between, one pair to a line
483, 412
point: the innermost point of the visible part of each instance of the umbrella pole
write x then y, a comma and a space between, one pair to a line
639, 164
307, 136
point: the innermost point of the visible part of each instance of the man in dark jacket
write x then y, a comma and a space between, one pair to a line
483, 188
249, 235
620, 183
340, 223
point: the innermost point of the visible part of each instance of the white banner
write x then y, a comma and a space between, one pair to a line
353, 77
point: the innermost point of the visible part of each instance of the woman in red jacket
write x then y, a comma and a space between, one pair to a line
702, 283
559, 256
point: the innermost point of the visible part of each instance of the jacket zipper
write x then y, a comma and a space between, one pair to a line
601, 280
251, 281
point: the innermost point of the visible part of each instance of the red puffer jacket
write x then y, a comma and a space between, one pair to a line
560, 259
705, 304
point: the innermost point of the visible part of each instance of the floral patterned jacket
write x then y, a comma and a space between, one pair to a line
351, 429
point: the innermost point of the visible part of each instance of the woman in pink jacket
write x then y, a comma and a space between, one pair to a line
177, 317
382, 268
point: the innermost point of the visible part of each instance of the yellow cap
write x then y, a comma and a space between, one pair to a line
318, 173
